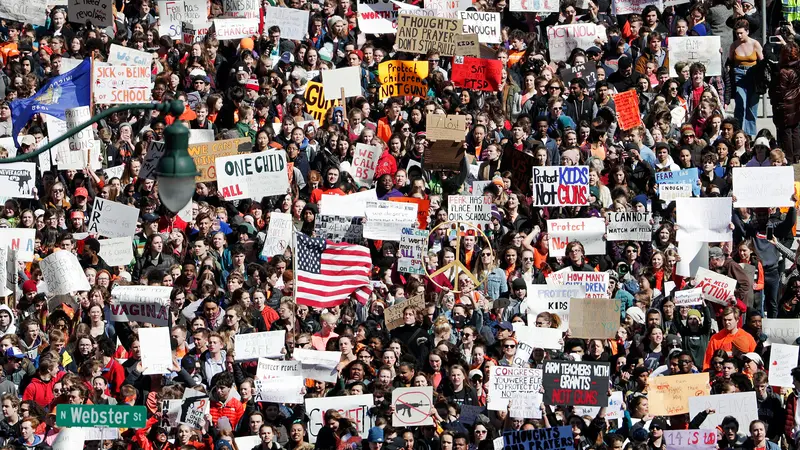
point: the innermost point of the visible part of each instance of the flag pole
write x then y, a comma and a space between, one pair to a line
91, 82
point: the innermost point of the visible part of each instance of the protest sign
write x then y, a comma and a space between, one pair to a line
401, 78
627, 104
561, 186
575, 383
411, 253
475, 210
18, 179
562, 39
380, 16
485, 24
393, 315
423, 209
346, 205
693, 255
763, 187
293, 22
386, 220
444, 155
67, 438
269, 369
677, 184
242, 9
63, 273
440, 127
156, 355
155, 152
195, 11
170, 18
99, 12
537, 337
595, 283
669, 395
228, 29
81, 141
204, 155
586, 71
289, 389
636, 7
688, 297
467, 45
469, 414
318, 365
594, 318
148, 304
716, 287
117, 251
316, 105
266, 344
477, 74
112, 219
589, 231
344, 82
740, 405
121, 84
126, 56
553, 299
554, 438
692, 49
253, 175
33, 12
533, 6
195, 32
247, 442
418, 34
629, 226
279, 234
781, 331
507, 384
365, 160
690, 439
100, 434
521, 164
615, 406
412, 406
704, 219
62, 155
338, 229
352, 407
114, 172
20, 240
782, 359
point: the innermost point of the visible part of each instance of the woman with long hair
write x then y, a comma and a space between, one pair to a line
743, 56
495, 283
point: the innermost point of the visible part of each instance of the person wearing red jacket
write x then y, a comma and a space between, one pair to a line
222, 404
113, 372
40, 388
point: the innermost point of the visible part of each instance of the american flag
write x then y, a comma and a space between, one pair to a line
328, 273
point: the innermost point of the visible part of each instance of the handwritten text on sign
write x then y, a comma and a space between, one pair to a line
716, 288
561, 186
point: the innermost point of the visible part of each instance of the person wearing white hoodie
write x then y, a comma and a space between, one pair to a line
7, 325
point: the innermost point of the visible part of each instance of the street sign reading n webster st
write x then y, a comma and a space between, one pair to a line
111, 416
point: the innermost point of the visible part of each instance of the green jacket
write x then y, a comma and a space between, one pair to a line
245, 130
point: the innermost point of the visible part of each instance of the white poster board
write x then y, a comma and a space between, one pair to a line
347, 78
386, 220
266, 344
293, 22
18, 179
156, 353
279, 234
252, 175
741, 405
63, 273
691, 49
782, 359
763, 187
705, 219
112, 219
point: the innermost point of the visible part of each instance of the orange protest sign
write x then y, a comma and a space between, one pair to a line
477, 74
669, 395
423, 207
627, 104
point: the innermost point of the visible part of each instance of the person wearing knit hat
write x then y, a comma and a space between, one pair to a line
29, 289
636, 314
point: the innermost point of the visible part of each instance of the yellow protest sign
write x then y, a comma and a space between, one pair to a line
400, 78
206, 153
669, 395
316, 105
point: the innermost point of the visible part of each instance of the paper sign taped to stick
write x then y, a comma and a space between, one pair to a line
627, 104
716, 287
336, 80
670, 394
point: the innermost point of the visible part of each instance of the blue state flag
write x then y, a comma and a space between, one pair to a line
70, 90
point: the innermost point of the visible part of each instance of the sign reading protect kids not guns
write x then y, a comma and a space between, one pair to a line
561, 186
400, 78
627, 104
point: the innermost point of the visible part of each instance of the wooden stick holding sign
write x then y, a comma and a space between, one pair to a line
344, 105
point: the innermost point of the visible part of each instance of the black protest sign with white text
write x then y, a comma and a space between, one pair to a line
576, 383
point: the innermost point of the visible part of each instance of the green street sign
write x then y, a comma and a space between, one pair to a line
111, 416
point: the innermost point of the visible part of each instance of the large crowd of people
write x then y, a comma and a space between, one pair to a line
223, 286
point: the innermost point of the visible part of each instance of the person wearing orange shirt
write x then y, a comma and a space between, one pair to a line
729, 337
330, 185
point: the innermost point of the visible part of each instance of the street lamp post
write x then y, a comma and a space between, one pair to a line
176, 171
